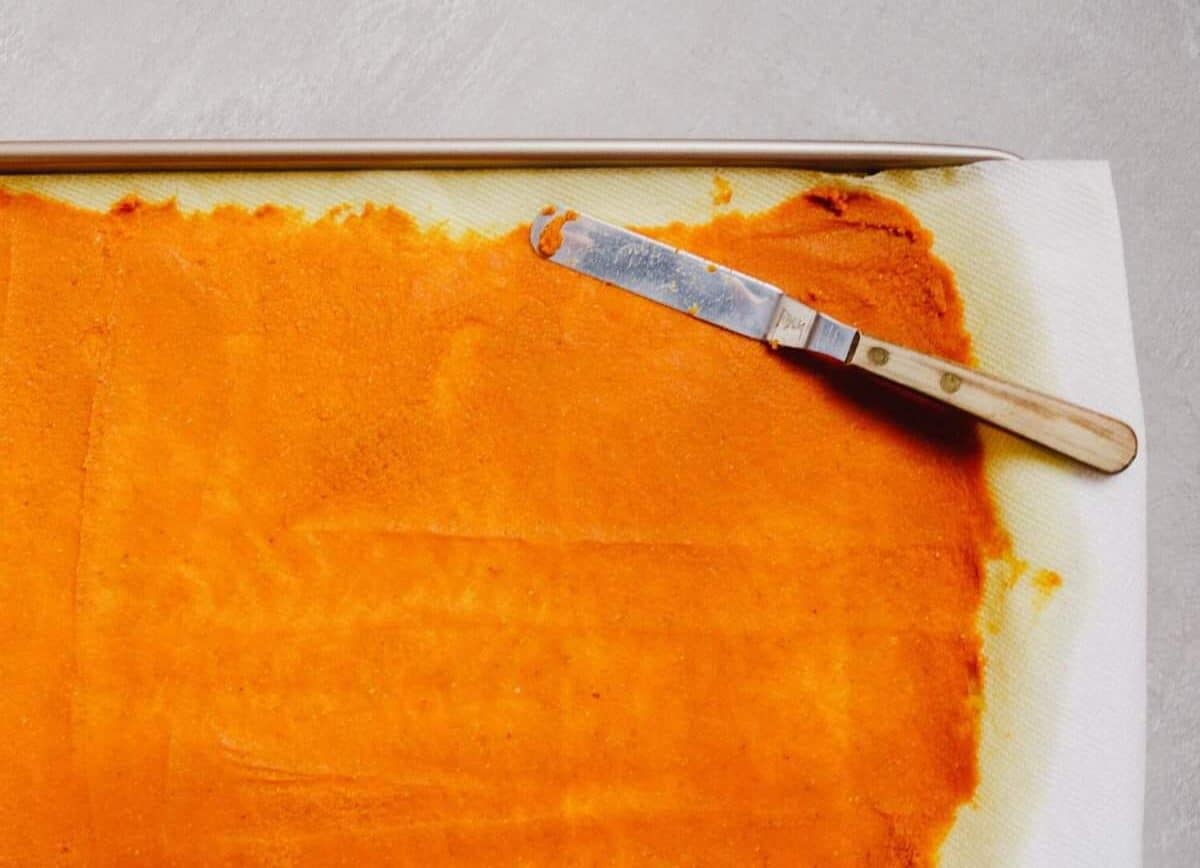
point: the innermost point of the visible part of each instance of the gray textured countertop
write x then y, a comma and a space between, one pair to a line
1071, 79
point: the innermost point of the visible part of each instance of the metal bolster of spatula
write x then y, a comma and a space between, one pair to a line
798, 326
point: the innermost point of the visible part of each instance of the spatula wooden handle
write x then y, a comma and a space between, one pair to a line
1097, 440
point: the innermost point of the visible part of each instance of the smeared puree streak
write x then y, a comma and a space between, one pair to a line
345, 542
550, 238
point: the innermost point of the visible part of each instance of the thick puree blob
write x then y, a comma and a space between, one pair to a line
347, 543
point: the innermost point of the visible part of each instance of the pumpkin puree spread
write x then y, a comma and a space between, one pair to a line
551, 238
348, 543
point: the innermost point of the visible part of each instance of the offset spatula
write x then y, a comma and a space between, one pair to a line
750, 307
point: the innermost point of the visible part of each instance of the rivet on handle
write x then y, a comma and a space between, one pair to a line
878, 355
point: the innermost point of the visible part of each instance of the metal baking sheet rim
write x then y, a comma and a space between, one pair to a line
50, 157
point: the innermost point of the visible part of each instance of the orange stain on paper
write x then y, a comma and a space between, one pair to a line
351, 543
1047, 583
722, 191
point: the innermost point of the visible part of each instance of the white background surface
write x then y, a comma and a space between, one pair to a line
1114, 81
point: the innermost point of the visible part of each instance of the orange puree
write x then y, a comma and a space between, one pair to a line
345, 543
551, 238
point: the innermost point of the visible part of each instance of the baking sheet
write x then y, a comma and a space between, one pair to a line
1036, 249
145, 156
